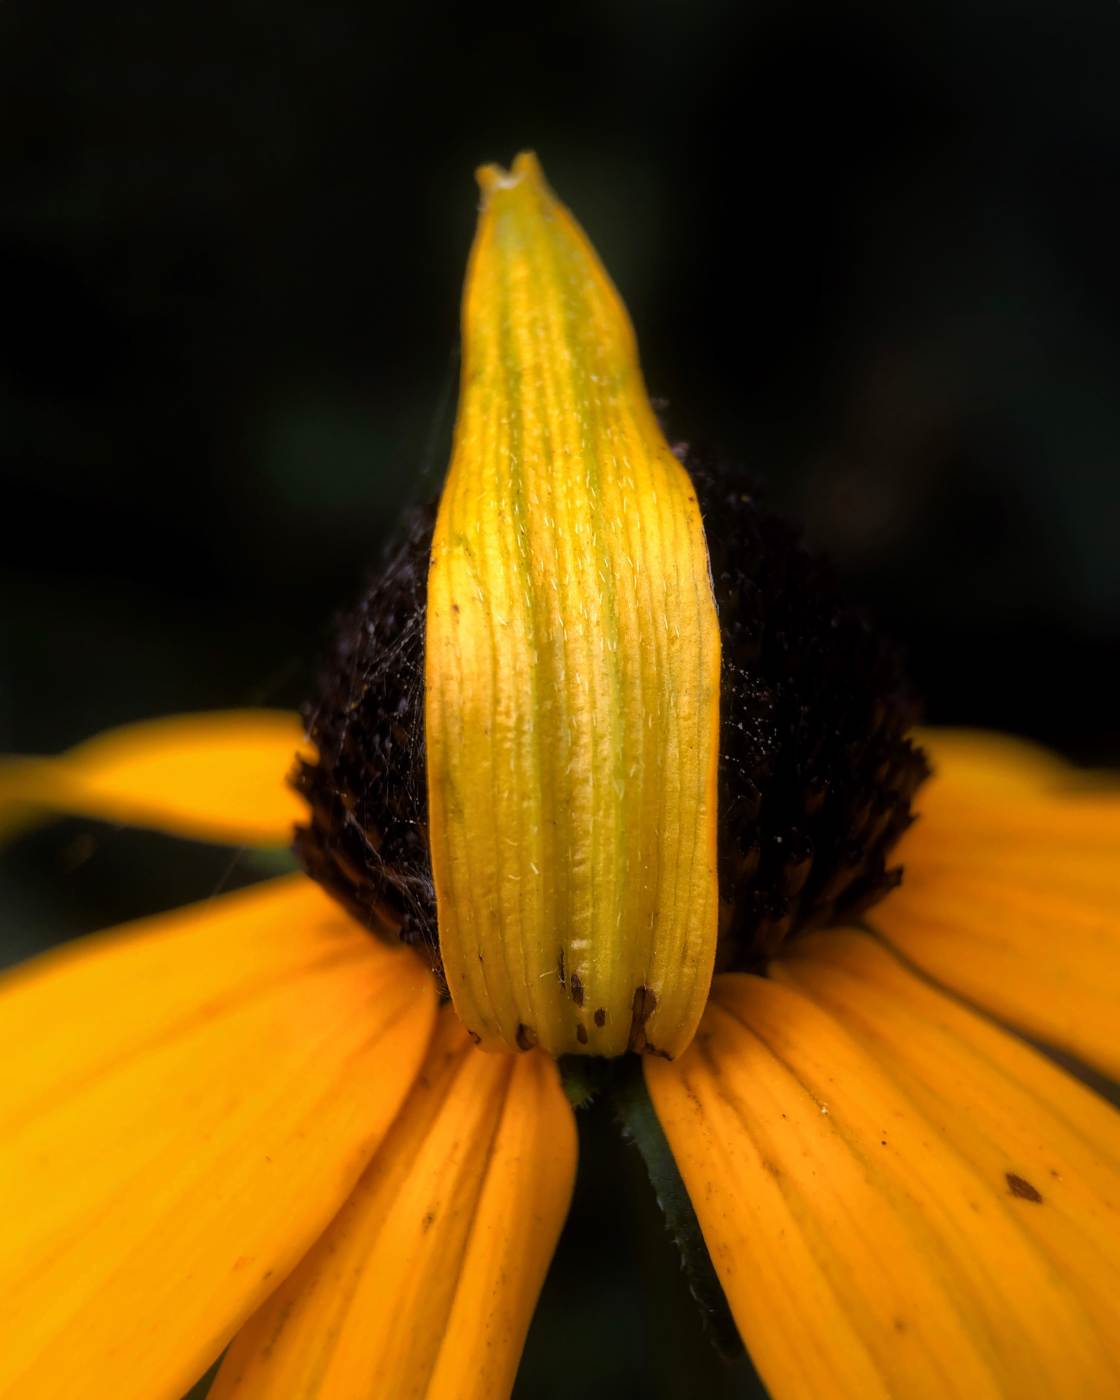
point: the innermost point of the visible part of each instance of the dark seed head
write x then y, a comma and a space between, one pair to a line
367, 838
816, 769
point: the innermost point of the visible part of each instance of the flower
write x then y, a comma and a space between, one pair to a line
251, 1123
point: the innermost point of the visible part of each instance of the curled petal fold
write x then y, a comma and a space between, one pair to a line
425, 1282
188, 1102
899, 1198
572, 664
216, 777
1011, 891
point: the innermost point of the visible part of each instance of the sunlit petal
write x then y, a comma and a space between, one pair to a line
997, 762
1011, 894
215, 777
187, 1103
425, 1283
926, 1217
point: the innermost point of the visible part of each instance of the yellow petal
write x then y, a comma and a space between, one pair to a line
186, 1104
425, 1282
1011, 897
1003, 1107
572, 664
216, 777
899, 1198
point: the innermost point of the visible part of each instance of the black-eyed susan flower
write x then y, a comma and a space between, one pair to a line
600, 734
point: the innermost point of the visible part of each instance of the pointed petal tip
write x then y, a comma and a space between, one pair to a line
493, 178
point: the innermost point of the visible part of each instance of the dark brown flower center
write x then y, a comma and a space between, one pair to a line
816, 769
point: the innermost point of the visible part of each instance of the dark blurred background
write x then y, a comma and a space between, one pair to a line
870, 252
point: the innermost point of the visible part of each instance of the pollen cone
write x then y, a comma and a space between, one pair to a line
572, 664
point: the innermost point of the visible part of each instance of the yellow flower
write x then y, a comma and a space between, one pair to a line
250, 1123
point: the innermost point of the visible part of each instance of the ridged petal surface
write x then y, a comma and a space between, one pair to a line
186, 1103
425, 1283
1011, 891
899, 1198
572, 664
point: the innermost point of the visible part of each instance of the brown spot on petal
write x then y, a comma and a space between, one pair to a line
601, 1017
526, 1037
643, 1005
1021, 1187
641, 1009
581, 1033
577, 988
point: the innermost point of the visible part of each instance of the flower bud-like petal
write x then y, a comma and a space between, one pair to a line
572, 664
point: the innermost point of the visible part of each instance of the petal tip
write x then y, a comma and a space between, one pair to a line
493, 178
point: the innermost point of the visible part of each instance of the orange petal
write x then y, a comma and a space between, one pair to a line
216, 777
187, 1103
1010, 896
1004, 762
899, 1198
425, 1283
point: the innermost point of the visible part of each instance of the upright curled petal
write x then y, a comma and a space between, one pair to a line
572, 664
